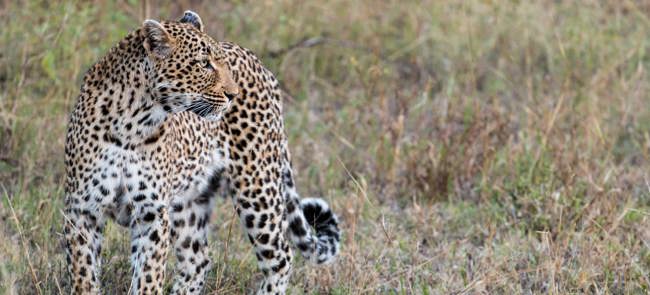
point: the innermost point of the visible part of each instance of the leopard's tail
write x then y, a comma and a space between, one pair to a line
313, 227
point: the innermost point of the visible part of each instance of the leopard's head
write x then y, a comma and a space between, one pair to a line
187, 68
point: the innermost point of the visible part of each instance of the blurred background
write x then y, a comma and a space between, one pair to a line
470, 147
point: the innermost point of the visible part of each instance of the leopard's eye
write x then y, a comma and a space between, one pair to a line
207, 64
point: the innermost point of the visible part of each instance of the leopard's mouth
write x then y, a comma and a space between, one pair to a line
206, 107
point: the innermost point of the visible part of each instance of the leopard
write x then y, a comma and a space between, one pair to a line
161, 123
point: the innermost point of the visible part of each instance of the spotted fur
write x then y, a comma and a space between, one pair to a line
142, 136
261, 179
160, 123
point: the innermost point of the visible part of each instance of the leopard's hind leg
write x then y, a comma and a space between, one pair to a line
261, 212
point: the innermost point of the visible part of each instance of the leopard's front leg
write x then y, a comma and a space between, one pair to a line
190, 215
83, 230
149, 243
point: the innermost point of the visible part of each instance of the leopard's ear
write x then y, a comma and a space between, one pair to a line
157, 42
191, 17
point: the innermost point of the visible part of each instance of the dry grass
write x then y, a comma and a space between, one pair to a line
469, 146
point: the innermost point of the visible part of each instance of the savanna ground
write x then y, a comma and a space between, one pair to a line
496, 147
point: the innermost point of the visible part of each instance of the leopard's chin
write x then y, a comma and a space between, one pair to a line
217, 112
213, 117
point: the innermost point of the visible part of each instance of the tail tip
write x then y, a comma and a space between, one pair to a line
319, 216
318, 213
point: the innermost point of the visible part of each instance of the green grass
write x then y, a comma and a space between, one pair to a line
498, 147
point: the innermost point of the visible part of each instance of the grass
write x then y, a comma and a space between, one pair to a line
497, 147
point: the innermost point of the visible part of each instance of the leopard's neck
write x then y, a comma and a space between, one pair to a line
117, 96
